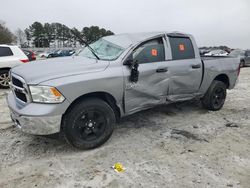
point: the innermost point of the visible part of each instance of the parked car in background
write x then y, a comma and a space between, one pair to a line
216, 53
243, 55
10, 56
37, 52
53, 53
31, 55
71, 52
61, 53
45, 54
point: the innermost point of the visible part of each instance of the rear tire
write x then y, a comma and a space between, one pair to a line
214, 98
4, 79
89, 123
242, 63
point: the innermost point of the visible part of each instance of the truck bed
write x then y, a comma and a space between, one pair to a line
214, 57
219, 65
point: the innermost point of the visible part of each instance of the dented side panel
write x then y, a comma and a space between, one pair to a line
184, 79
151, 88
185, 76
219, 66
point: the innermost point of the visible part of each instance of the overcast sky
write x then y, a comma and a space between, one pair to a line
212, 22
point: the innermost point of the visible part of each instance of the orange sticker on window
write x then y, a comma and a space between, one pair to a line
154, 52
182, 47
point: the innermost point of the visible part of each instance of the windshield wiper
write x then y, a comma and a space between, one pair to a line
76, 34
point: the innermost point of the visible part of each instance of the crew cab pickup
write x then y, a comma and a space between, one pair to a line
84, 95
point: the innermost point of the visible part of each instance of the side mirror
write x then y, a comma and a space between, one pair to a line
134, 72
129, 61
133, 65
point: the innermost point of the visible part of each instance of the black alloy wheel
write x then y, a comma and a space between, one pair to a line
88, 123
219, 97
215, 97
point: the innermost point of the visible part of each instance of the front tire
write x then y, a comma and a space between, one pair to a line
215, 97
4, 79
89, 123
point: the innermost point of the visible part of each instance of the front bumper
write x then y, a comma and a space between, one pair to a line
37, 119
36, 125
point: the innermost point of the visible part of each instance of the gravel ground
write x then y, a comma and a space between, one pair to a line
179, 145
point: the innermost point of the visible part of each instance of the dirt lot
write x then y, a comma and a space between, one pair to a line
178, 145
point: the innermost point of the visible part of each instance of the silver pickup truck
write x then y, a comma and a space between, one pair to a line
84, 95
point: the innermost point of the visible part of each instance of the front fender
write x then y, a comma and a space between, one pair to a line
108, 81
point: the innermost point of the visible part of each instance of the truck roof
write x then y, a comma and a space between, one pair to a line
7, 45
126, 39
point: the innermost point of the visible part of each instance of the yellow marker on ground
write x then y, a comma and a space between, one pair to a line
118, 167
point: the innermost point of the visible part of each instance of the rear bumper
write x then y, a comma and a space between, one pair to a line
37, 119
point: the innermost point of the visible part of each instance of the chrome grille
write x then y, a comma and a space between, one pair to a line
21, 96
16, 82
19, 88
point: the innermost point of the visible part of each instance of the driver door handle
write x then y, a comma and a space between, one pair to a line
162, 70
196, 66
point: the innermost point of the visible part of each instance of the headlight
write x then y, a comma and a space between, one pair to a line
45, 94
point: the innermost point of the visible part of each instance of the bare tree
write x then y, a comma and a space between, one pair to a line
21, 37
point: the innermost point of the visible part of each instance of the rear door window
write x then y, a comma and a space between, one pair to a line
5, 51
150, 51
182, 48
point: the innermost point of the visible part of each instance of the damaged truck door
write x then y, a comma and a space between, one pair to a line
152, 85
185, 68
161, 78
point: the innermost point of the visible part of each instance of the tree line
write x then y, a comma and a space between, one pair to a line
6, 36
54, 35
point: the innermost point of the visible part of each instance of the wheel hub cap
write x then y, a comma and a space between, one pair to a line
90, 124
4, 79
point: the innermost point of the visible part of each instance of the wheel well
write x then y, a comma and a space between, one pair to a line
108, 98
223, 78
5, 68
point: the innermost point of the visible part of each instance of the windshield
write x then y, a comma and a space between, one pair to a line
104, 49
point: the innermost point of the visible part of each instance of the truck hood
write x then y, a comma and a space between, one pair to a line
44, 70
